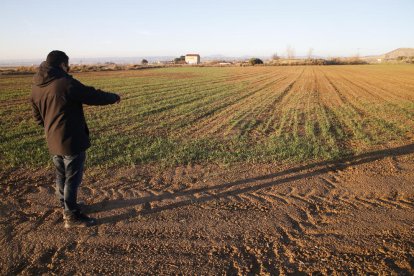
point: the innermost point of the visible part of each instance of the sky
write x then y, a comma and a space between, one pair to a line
90, 28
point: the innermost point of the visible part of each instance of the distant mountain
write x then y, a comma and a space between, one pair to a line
97, 60
392, 55
400, 52
120, 60
229, 58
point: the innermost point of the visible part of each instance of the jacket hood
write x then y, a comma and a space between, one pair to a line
47, 74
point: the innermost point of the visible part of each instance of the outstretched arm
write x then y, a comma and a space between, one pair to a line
89, 95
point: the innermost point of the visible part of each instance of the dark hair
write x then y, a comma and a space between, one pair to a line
55, 58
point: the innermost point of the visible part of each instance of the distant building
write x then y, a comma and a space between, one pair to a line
192, 59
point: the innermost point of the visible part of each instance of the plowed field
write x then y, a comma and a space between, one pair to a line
256, 170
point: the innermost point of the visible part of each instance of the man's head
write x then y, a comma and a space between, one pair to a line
58, 59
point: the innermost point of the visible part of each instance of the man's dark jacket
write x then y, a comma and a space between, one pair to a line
57, 100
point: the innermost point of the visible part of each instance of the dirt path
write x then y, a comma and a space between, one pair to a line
355, 216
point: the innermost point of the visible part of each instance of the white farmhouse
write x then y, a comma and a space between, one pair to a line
192, 58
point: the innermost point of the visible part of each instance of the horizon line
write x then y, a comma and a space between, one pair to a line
165, 56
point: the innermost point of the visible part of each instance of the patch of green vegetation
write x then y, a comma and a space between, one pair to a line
166, 115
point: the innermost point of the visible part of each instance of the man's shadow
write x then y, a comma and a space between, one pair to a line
221, 191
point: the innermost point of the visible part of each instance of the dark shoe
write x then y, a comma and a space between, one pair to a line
77, 219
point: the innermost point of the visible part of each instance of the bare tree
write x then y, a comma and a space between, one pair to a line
275, 56
310, 53
290, 52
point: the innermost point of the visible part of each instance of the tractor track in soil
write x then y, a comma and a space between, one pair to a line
353, 216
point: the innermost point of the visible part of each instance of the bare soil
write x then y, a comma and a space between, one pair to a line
354, 217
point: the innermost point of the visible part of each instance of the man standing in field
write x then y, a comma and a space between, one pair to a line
57, 100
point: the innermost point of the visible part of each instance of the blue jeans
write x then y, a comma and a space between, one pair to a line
69, 172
